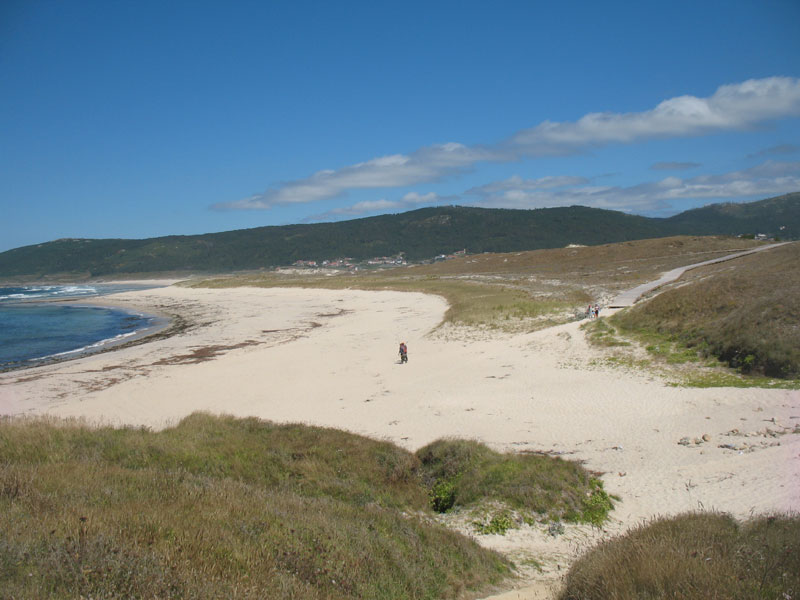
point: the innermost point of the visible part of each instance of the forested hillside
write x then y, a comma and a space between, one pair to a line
419, 234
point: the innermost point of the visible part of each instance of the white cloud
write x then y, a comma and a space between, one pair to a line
407, 202
425, 165
516, 182
735, 106
768, 179
415, 198
365, 207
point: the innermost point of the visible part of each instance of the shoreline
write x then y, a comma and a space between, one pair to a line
164, 325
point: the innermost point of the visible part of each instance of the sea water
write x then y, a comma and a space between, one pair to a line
33, 329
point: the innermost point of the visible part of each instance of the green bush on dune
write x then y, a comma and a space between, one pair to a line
465, 473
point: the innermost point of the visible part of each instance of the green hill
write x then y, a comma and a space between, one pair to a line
420, 234
778, 216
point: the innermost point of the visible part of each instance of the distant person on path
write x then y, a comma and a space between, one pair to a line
596, 311
403, 353
589, 312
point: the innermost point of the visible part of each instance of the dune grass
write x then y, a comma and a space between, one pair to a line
745, 314
680, 365
697, 556
600, 333
463, 473
219, 507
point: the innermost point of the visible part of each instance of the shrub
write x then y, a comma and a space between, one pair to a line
498, 524
596, 506
694, 556
466, 472
443, 496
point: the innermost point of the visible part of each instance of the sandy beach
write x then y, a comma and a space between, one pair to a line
329, 358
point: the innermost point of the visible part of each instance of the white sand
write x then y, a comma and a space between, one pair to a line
330, 358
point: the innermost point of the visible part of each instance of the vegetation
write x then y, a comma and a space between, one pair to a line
521, 290
600, 333
420, 234
679, 364
747, 316
694, 557
498, 524
236, 508
776, 216
617, 265
471, 303
463, 473
716, 378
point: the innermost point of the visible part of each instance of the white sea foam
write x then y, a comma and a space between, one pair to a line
74, 290
95, 346
26, 342
48, 291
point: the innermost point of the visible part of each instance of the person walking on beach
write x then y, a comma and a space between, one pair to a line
403, 353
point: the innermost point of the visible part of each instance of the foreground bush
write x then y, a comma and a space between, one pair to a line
747, 315
221, 508
693, 557
463, 473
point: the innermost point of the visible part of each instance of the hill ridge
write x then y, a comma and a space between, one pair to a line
419, 234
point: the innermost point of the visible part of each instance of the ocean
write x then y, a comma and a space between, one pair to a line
33, 329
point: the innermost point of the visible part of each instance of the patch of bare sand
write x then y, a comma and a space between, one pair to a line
329, 358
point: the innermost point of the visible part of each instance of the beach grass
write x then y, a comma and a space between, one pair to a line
679, 364
746, 315
236, 508
600, 333
694, 556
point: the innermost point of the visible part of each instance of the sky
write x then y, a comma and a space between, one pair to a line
124, 119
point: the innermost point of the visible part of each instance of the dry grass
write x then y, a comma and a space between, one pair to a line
615, 265
521, 291
693, 557
219, 507
745, 313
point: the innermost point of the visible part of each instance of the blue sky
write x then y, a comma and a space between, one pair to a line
142, 119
